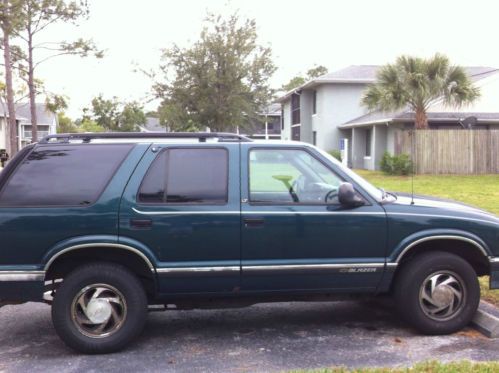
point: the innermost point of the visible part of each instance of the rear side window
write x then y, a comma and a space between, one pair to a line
187, 175
63, 175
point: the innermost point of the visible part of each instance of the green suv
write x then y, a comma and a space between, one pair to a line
106, 226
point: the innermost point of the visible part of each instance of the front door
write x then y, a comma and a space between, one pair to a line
295, 234
183, 204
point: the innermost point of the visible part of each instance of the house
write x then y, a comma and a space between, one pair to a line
46, 122
327, 109
3, 126
152, 125
3, 135
268, 127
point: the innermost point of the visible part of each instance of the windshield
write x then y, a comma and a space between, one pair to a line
364, 184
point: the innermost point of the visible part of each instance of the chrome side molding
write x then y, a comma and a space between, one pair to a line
22, 276
441, 237
256, 269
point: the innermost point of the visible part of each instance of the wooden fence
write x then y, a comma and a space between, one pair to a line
451, 151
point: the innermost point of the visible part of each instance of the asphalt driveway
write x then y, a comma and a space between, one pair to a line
269, 337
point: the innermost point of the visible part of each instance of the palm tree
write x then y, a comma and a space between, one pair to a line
418, 83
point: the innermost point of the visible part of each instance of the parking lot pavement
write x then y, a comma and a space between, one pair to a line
267, 337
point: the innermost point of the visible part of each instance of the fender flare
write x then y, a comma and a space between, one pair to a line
406, 247
80, 243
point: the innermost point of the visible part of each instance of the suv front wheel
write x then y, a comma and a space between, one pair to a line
99, 308
437, 293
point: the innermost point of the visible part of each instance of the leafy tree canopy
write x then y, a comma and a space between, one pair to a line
221, 81
299, 80
114, 115
65, 124
418, 83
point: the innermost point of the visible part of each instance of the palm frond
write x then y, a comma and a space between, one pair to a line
417, 83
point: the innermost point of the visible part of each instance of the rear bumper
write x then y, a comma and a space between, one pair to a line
21, 286
494, 273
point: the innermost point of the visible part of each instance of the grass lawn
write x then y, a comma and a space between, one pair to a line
427, 367
481, 191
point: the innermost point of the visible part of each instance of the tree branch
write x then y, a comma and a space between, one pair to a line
52, 56
39, 28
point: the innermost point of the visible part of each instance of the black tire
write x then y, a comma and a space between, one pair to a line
411, 297
130, 309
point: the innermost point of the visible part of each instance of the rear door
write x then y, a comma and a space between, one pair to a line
182, 202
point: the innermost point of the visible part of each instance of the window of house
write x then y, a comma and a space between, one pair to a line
295, 108
368, 142
187, 175
290, 176
63, 175
314, 137
314, 102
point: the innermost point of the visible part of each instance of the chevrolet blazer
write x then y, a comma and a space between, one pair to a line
105, 227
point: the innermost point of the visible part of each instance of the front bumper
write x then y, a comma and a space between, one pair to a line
494, 272
21, 286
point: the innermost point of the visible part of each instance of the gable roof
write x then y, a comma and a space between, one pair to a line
152, 125
43, 116
365, 74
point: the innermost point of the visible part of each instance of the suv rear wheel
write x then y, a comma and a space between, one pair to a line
437, 293
99, 308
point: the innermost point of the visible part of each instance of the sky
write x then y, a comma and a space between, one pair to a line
302, 34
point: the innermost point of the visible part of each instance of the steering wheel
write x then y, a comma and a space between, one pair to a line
330, 195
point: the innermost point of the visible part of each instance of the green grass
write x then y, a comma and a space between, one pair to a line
481, 191
426, 367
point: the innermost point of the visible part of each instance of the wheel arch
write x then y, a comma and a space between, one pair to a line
472, 249
67, 259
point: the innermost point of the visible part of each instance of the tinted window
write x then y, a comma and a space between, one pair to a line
63, 175
290, 176
187, 176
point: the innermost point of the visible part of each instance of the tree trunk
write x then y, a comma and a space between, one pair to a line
421, 121
11, 127
32, 88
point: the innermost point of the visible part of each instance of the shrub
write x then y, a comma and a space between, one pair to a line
335, 153
396, 164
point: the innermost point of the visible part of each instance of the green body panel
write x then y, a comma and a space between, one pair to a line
213, 250
31, 235
310, 235
189, 240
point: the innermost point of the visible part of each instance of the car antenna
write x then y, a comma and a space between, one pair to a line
413, 161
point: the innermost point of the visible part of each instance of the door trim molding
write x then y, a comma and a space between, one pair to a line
262, 212
351, 268
188, 271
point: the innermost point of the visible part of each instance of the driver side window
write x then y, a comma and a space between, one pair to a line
290, 176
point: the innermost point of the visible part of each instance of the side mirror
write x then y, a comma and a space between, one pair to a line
348, 196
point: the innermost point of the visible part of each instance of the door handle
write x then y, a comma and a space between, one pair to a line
253, 222
141, 223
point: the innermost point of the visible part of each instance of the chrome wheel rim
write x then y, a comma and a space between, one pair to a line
442, 295
98, 310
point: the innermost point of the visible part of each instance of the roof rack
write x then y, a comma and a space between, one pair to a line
88, 137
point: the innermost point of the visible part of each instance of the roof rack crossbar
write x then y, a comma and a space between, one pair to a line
88, 137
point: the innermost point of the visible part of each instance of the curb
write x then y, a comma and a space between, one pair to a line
486, 320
